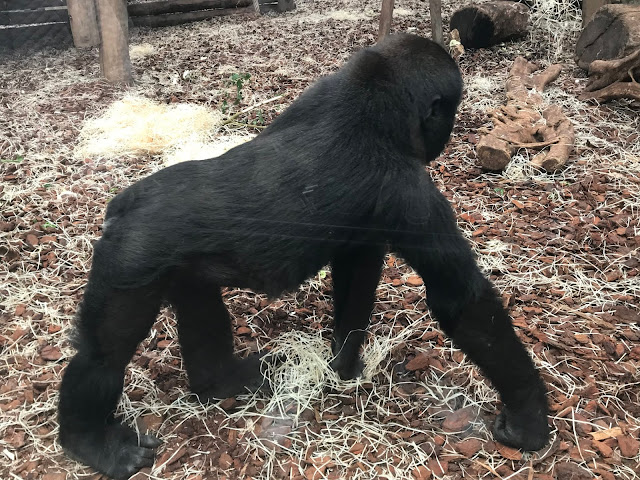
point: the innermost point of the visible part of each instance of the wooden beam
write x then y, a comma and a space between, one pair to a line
176, 6
185, 17
386, 16
115, 63
435, 10
84, 23
29, 37
30, 17
29, 4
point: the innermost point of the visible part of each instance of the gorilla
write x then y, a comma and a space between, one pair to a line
339, 178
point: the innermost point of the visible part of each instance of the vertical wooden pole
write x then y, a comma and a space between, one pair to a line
84, 23
256, 6
286, 5
386, 15
435, 10
115, 63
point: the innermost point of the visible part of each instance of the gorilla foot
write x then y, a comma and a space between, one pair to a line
239, 375
525, 429
115, 450
348, 369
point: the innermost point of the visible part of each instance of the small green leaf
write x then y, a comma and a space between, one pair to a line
17, 159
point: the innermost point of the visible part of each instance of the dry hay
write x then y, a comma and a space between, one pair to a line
142, 50
136, 125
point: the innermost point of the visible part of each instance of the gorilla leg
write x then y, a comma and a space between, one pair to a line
471, 312
111, 323
206, 341
355, 272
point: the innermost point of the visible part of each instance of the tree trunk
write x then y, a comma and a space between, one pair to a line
490, 23
435, 11
84, 23
613, 32
386, 15
590, 7
115, 63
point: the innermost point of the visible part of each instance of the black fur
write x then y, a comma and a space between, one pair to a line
338, 178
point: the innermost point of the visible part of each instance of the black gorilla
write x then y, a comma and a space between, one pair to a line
338, 178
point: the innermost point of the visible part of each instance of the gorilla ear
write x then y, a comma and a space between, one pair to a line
434, 107
371, 66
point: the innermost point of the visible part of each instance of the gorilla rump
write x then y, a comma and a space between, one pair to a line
338, 178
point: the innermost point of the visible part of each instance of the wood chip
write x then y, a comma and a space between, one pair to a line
609, 433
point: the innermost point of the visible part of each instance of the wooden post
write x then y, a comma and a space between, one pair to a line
115, 63
286, 5
84, 23
435, 9
386, 15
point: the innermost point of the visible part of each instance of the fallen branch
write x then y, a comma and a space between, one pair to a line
519, 124
606, 72
615, 91
614, 79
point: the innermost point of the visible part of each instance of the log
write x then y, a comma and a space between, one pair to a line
170, 19
490, 23
176, 6
386, 16
276, 6
613, 32
590, 7
519, 123
84, 23
115, 63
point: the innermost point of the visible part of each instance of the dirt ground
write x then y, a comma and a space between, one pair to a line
562, 248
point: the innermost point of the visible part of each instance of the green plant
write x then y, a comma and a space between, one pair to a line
238, 79
17, 159
47, 224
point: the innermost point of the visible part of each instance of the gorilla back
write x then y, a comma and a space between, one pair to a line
337, 178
